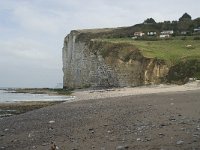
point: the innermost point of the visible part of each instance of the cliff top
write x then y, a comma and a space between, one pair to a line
97, 30
183, 26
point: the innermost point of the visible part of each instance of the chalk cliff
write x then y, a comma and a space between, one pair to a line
88, 62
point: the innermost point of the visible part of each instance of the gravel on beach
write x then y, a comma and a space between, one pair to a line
159, 121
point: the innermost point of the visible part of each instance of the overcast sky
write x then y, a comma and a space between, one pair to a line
32, 31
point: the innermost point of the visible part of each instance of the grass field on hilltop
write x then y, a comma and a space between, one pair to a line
172, 51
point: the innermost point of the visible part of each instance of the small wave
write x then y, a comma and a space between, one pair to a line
47, 99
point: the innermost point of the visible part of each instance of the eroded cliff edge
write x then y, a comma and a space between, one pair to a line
95, 63
90, 61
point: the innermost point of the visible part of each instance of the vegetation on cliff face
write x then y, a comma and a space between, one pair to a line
181, 55
120, 50
172, 51
181, 72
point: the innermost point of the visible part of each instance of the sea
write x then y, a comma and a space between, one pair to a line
10, 97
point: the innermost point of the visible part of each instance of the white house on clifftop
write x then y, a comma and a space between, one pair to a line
166, 34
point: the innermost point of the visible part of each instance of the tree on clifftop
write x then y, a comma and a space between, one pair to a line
185, 22
149, 21
185, 17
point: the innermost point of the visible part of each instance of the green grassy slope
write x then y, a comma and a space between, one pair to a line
172, 51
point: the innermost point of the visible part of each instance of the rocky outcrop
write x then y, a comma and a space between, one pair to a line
94, 63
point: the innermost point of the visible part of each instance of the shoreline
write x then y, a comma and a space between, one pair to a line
19, 107
49, 91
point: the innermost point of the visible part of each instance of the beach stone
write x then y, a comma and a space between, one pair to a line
109, 131
147, 139
194, 141
138, 139
195, 135
122, 147
182, 122
14, 140
45, 144
52, 121
162, 125
161, 134
34, 147
91, 130
179, 142
29, 135
172, 119
51, 128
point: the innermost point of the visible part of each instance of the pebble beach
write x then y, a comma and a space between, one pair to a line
111, 119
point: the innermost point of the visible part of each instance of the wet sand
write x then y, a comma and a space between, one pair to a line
15, 108
158, 121
9, 108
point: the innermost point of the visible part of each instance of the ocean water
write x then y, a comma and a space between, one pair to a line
6, 97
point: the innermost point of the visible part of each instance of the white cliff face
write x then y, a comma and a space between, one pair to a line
83, 68
73, 62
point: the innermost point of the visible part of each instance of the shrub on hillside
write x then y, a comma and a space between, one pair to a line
183, 38
196, 38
